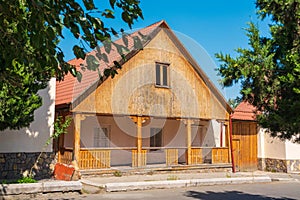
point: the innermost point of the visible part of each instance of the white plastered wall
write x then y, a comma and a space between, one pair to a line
269, 147
33, 138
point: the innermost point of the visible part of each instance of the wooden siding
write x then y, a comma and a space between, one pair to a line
171, 157
65, 156
133, 90
94, 159
196, 156
220, 155
135, 158
244, 135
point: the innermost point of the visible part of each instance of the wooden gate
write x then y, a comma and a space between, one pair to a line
236, 153
244, 138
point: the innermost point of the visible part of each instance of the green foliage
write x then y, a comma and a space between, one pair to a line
60, 127
20, 180
29, 53
26, 180
117, 173
269, 70
234, 102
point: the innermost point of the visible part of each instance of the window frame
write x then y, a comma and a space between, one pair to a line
156, 133
162, 76
101, 134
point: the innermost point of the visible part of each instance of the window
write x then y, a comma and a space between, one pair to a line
161, 73
101, 137
155, 137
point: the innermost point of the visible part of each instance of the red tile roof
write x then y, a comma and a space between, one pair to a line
69, 89
244, 111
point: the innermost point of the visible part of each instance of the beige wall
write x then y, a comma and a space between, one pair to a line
33, 138
123, 134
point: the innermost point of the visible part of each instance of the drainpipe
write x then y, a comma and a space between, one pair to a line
231, 147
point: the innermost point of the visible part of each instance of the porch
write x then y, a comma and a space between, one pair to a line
136, 142
91, 158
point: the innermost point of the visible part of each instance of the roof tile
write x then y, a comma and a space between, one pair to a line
244, 111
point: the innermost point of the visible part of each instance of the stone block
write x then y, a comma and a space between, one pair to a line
61, 186
26, 188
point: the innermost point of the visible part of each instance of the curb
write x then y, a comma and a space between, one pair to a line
284, 179
31, 188
128, 186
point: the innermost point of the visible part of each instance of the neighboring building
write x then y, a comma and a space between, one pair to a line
254, 148
19, 148
159, 110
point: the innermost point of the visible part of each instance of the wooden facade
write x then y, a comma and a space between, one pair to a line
133, 105
244, 141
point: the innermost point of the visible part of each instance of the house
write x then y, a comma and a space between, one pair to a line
159, 110
254, 148
19, 149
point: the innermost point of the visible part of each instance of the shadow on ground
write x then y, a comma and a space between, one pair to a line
233, 195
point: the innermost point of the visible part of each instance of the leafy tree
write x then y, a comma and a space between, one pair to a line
29, 53
234, 102
269, 71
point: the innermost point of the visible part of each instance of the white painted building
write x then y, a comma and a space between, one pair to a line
19, 148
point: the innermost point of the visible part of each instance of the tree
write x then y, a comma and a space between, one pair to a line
29, 53
269, 71
234, 102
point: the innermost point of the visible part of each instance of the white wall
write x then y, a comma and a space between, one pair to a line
33, 138
292, 151
269, 147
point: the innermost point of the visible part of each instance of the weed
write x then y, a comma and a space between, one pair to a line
26, 180
172, 178
118, 173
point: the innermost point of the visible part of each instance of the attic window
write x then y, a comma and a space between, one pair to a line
162, 74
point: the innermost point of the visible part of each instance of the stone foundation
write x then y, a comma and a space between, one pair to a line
278, 165
14, 165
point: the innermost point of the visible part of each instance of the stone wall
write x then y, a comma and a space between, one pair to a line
293, 165
14, 165
278, 165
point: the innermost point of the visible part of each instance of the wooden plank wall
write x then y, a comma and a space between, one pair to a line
171, 157
220, 155
133, 90
244, 135
94, 159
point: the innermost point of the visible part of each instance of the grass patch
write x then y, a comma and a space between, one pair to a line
172, 178
19, 181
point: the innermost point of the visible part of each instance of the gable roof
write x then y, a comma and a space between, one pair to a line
69, 91
244, 111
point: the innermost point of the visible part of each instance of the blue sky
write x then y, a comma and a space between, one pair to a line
206, 28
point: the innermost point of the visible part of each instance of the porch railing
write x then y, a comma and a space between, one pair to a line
94, 159
220, 155
135, 158
101, 158
171, 157
196, 156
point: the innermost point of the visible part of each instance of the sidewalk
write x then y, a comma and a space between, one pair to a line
173, 180
96, 184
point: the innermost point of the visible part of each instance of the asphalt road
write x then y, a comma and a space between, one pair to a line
274, 191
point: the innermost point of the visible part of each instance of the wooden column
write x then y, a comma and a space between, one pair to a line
189, 141
77, 129
139, 141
